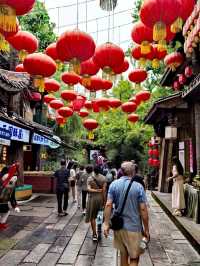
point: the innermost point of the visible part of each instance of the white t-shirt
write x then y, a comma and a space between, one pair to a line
72, 174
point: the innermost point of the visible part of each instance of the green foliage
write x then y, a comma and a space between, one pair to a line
137, 6
38, 22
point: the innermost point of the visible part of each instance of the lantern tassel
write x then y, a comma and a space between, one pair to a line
142, 62
86, 81
90, 135
75, 66
4, 45
162, 45
39, 83
159, 31
177, 25
145, 48
155, 63
7, 18
22, 55
59, 65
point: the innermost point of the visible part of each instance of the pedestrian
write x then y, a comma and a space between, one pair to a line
62, 188
72, 178
79, 183
138, 178
107, 172
178, 200
133, 211
96, 186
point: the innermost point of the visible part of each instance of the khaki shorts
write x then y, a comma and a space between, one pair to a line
128, 242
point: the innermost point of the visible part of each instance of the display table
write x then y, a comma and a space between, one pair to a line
192, 200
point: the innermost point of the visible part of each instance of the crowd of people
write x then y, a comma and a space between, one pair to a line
107, 189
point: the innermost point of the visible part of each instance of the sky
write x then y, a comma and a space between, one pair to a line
64, 14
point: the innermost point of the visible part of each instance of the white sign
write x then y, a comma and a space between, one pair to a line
170, 132
41, 140
5, 142
17, 133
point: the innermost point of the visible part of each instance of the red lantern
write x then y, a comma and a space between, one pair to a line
9, 9
4, 45
51, 85
90, 124
129, 107
121, 68
155, 163
20, 68
106, 84
143, 35
83, 113
150, 161
48, 98
95, 107
56, 104
137, 75
39, 65
88, 69
103, 103
176, 85
52, 51
136, 52
134, 100
114, 103
158, 14
188, 71
68, 95
65, 111
108, 56
174, 60
35, 96
75, 47
155, 153
24, 42
182, 79
88, 105
60, 120
133, 118
78, 103
187, 8
70, 78
96, 84
150, 152
143, 96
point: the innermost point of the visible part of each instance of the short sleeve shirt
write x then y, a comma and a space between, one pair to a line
136, 195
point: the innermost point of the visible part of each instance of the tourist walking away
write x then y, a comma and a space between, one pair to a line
178, 200
138, 178
96, 186
72, 178
107, 172
62, 188
79, 184
130, 221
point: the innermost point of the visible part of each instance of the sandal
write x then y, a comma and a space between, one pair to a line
94, 238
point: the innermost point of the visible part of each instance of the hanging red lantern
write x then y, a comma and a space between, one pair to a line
4, 45
143, 35
155, 163
83, 113
137, 55
70, 78
121, 68
60, 120
90, 124
20, 68
56, 104
174, 60
9, 9
48, 98
106, 84
68, 95
65, 111
75, 47
52, 52
24, 42
95, 107
188, 71
128, 107
39, 66
176, 85
88, 69
182, 79
51, 85
114, 103
157, 14
88, 105
150, 161
103, 103
150, 152
137, 76
35, 96
108, 56
143, 96
96, 84
155, 153
134, 100
78, 103
133, 118
158, 55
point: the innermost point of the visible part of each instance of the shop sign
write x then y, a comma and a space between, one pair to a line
41, 140
16, 133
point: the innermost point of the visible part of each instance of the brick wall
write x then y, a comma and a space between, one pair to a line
41, 183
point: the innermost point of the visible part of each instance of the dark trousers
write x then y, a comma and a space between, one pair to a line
60, 194
84, 197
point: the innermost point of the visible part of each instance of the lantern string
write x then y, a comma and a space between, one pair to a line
86, 14
97, 30
109, 27
113, 24
77, 13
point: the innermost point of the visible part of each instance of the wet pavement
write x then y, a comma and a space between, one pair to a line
36, 236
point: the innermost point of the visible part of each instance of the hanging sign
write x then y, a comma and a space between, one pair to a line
16, 133
41, 140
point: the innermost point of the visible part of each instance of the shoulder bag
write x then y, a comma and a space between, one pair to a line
116, 221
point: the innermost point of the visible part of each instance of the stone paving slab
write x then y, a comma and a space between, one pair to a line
49, 259
13, 257
37, 253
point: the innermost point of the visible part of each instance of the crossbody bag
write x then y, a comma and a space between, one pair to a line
116, 221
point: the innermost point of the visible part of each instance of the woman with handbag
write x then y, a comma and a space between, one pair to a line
96, 185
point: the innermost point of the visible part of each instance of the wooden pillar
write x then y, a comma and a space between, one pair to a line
197, 134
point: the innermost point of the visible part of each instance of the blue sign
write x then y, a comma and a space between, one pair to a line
16, 133
41, 140
4, 133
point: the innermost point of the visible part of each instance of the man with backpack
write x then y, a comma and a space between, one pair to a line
62, 188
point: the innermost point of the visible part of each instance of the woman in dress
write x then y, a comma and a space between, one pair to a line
96, 186
178, 200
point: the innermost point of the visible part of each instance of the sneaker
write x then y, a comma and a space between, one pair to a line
61, 214
65, 213
84, 212
94, 238
79, 206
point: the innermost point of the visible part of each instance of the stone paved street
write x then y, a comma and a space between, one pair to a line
37, 236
